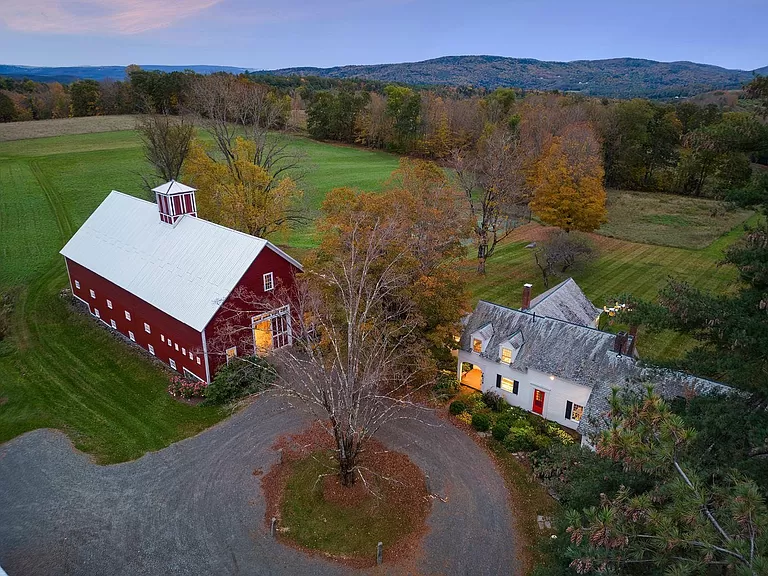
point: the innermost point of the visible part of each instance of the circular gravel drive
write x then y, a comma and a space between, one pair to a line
196, 507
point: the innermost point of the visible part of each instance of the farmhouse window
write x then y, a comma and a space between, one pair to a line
231, 353
506, 355
172, 363
109, 303
507, 384
573, 411
93, 294
132, 336
77, 284
147, 329
269, 281
113, 324
151, 349
477, 345
127, 315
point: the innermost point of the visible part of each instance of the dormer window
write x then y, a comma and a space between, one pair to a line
506, 355
480, 338
477, 345
509, 349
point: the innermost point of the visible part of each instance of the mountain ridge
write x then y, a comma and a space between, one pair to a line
611, 77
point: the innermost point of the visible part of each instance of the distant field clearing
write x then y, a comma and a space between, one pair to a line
65, 126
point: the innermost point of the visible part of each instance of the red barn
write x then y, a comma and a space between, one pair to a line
163, 278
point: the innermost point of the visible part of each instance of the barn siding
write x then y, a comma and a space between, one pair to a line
252, 281
160, 323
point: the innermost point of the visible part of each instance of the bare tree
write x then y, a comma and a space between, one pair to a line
166, 141
228, 107
493, 181
562, 253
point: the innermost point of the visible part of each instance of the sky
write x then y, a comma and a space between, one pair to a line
268, 34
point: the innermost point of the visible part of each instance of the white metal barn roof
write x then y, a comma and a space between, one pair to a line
185, 270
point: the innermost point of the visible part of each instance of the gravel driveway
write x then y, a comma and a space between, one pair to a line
196, 506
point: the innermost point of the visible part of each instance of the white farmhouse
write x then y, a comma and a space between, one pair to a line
549, 358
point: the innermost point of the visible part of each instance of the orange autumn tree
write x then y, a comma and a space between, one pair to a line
567, 181
241, 194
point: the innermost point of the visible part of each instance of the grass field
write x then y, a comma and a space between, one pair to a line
58, 369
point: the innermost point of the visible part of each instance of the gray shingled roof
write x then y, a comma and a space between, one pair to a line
566, 302
577, 353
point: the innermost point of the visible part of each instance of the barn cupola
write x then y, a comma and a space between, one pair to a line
174, 200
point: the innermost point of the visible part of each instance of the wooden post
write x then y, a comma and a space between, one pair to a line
380, 553
273, 527
280, 454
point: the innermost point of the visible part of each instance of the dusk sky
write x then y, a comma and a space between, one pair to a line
264, 34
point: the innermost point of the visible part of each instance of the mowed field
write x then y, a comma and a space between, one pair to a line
58, 368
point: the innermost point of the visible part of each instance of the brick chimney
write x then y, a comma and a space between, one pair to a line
620, 342
526, 296
175, 200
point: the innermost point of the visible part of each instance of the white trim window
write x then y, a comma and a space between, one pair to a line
176, 346
97, 313
172, 362
184, 351
269, 281
77, 284
191, 356
147, 329
509, 385
198, 360
132, 336
92, 293
170, 344
151, 349
506, 355
477, 345
109, 303
113, 324
573, 411
162, 337
127, 315
231, 353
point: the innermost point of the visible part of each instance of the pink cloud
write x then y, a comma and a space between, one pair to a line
98, 16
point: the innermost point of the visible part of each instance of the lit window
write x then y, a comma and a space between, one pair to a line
477, 345
172, 362
147, 328
577, 412
77, 284
114, 324
269, 282
131, 336
506, 355
151, 349
509, 385
162, 337
231, 352
198, 360
184, 351
109, 303
127, 315
176, 346
93, 294
96, 313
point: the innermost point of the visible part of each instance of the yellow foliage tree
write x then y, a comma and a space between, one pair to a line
241, 194
567, 183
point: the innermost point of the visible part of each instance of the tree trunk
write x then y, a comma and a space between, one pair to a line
482, 250
346, 455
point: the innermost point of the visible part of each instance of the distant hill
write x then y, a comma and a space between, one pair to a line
617, 78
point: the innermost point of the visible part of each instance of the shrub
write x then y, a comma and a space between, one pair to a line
475, 403
446, 386
457, 407
465, 417
559, 435
500, 430
239, 378
181, 387
481, 422
521, 439
494, 401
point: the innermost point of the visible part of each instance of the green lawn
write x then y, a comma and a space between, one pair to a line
58, 368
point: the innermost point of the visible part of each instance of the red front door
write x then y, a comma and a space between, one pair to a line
538, 401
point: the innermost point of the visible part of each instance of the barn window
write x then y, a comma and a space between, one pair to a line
132, 336
198, 360
172, 362
77, 284
170, 343
113, 324
191, 356
96, 313
269, 281
151, 349
127, 315
147, 329
162, 337
176, 346
109, 303
184, 351
93, 294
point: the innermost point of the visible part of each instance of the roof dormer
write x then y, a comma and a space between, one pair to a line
510, 348
174, 200
481, 338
